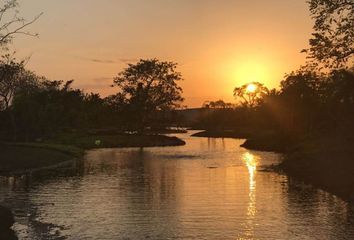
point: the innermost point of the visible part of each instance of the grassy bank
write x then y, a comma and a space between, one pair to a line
324, 163
24, 157
90, 141
21, 158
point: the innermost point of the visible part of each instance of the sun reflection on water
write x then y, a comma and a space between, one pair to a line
251, 162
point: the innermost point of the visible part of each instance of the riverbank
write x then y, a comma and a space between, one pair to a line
222, 134
19, 158
324, 163
260, 141
90, 141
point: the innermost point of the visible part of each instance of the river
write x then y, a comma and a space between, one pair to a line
207, 189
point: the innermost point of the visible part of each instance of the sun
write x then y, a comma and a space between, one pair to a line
251, 88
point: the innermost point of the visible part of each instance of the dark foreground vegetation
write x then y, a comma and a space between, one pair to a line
21, 158
324, 162
18, 159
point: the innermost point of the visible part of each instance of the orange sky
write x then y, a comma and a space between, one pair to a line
219, 44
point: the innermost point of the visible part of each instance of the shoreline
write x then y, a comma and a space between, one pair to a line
267, 142
29, 158
221, 134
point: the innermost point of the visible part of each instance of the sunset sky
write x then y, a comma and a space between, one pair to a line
219, 44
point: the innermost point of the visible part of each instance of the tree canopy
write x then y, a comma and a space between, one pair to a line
149, 85
332, 42
251, 94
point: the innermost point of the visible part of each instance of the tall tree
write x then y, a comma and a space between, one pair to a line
332, 42
149, 85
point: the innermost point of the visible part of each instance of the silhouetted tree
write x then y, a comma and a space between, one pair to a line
333, 38
13, 78
251, 93
220, 104
148, 86
10, 71
300, 96
337, 98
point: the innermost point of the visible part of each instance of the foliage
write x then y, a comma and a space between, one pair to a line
251, 98
146, 87
11, 75
35, 108
219, 104
307, 104
332, 43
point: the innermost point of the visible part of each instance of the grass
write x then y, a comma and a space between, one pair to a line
87, 141
22, 157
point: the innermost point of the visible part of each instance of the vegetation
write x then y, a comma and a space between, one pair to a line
147, 87
20, 158
219, 104
251, 93
33, 108
309, 117
332, 44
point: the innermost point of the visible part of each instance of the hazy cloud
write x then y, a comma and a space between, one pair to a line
96, 60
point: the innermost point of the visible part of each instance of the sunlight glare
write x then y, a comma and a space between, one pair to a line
251, 88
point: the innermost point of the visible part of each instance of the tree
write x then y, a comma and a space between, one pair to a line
10, 72
219, 104
13, 79
300, 94
251, 93
332, 44
148, 86
11, 24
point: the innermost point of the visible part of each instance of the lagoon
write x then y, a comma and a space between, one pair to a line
208, 189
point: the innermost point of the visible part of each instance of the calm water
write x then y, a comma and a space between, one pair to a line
208, 189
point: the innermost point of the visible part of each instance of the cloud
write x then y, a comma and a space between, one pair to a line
96, 60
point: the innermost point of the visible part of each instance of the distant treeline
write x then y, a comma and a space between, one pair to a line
307, 104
